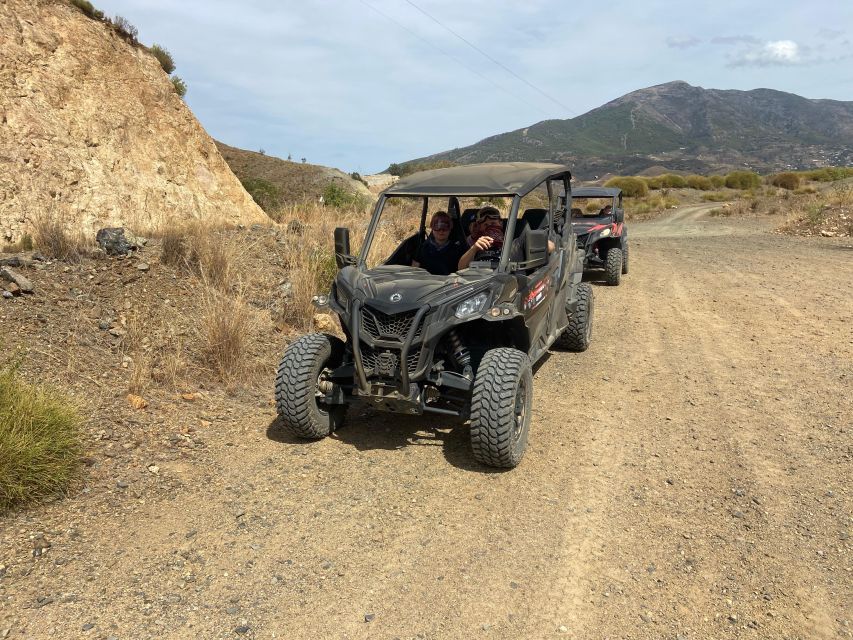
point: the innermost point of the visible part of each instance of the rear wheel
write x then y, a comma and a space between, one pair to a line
613, 267
578, 333
500, 407
297, 397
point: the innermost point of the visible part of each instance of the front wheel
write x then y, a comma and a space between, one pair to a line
613, 267
500, 407
297, 397
625, 260
578, 333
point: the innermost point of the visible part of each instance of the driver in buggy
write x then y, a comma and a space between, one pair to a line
487, 239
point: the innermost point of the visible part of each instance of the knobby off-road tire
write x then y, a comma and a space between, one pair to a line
296, 385
625, 260
500, 407
613, 267
578, 334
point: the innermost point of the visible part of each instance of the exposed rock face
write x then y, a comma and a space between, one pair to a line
93, 133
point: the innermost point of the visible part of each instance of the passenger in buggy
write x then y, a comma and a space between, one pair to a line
439, 254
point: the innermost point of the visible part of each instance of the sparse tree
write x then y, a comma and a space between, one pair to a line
163, 57
262, 151
304, 161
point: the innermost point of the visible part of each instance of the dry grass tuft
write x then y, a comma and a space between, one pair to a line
55, 241
226, 328
39, 441
201, 250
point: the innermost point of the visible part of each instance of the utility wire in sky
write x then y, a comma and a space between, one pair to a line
454, 58
490, 58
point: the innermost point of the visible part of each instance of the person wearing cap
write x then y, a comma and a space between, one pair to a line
487, 239
438, 254
606, 210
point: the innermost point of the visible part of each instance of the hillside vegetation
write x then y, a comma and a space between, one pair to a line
275, 183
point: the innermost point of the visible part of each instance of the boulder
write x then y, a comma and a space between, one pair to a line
10, 275
117, 241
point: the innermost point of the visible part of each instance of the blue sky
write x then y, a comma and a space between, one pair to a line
358, 84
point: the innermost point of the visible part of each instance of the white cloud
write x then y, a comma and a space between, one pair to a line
682, 43
769, 54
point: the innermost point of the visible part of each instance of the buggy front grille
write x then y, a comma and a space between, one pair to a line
386, 326
386, 362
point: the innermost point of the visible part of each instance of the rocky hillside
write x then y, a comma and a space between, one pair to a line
92, 132
682, 127
275, 182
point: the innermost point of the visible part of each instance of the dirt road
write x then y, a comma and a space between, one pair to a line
688, 477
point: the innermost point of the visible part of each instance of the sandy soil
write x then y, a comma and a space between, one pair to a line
688, 477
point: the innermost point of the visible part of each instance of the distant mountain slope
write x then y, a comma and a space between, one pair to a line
292, 181
682, 127
92, 133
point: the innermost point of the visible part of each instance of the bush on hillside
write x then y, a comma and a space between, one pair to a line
263, 192
787, 180
631, 187
653, 182
163, 57
672, 181
829, 174
699, 182
718, 181
334, 195
86, 7
39, 441
743, 180
126, 28
180, 86
55, 241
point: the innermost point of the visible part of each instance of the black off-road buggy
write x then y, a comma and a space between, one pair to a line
461, 345
602, 233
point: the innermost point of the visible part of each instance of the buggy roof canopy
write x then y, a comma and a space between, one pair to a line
488, 179
595, 192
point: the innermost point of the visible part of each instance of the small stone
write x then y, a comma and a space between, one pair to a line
563, 629
739, 493
369, 617
153, 468
143, 266
733, 617
232, 611
646, 616
242, 629
738, 514
88, 626
121, 484
137, 402
105, 325
513, 585
8, 295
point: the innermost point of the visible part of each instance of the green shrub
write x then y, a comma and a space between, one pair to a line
631, 187
653, 182
672, 181
829, 174
39, 441
715, 197
180, 86
787, 180
126, 28
699, 182
743, 180
718, 182
86, 7
335, 195
265, 193
163, 57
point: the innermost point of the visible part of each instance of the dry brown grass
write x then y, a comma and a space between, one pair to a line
55, 241
225, 328
201, 250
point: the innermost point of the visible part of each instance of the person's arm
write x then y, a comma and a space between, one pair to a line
480, 244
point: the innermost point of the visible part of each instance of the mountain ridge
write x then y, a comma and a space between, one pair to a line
681, 127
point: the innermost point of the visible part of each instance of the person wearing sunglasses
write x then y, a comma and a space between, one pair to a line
438, 254
487, 239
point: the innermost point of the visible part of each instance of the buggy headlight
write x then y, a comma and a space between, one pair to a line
472, 306
605, 233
